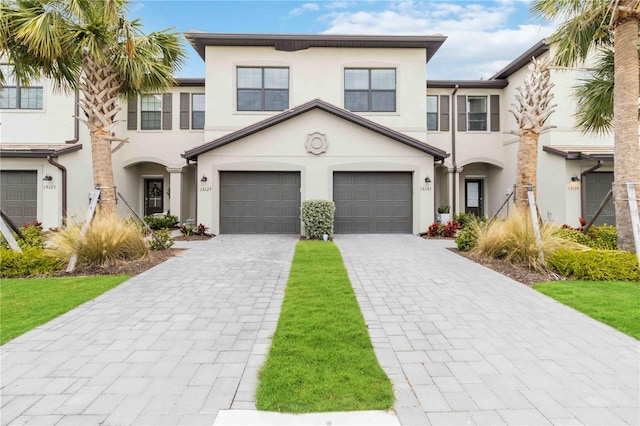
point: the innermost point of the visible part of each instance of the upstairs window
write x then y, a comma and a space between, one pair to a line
477, 112
15, 96
262, 89
432, 112
197, 111
370, 90
151, 112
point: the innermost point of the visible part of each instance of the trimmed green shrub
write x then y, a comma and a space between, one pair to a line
573, 235
317, 217
31, 262
32, 232
466, 239
165, 236
161, 222
603, 237
595, 265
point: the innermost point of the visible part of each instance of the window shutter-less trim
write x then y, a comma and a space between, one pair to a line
184, 110
495, 113
166, 111
132, 112
444, 113
462, 113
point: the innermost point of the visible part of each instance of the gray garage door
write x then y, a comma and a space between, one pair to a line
18, 195
598, 184
260, 202
372, 202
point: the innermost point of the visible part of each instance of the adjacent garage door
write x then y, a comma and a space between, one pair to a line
18, 195
598, 184
372, 202
260, 202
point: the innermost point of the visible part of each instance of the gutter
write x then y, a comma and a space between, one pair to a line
64, 188
76, 121
583, 188
454, 203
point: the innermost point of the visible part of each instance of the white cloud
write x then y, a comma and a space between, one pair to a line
307, 7
479, 42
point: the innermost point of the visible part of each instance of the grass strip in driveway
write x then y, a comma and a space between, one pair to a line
616, 304
321, 357
30, 302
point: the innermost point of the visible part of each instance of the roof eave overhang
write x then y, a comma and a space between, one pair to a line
295, 42
189, 82
467, 84
533, 52
38, 153
192, 155
577, 155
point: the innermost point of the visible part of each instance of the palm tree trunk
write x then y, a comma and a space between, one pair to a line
526, 168
625, 121
103, 173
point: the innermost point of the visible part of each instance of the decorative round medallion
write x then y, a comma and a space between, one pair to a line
316, 143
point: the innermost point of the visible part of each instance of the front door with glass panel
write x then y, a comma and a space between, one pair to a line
153, 199
474, 197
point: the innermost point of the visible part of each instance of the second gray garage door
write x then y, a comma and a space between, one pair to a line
598, 184
260, 202
373, 202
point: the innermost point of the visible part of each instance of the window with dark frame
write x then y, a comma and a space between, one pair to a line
262, 89
477, 113
370, 89
432, 112
15, 96
151, 112
197, 111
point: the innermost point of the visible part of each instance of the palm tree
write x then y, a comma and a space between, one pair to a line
532, 110
590, 24
90, 46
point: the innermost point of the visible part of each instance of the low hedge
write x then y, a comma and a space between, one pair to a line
161, 222
317, 217
31, 262
595, 265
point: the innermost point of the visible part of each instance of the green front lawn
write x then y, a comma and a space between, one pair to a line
321, 358
614, 303
28, 303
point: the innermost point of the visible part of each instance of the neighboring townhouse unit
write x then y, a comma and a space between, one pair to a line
471, 120
279, 119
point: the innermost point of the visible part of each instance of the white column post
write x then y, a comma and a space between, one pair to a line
175, 191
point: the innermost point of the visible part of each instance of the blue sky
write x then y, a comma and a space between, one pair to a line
483, 36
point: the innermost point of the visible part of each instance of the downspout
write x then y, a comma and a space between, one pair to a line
583, 188
76, 121
64, 188
454, 209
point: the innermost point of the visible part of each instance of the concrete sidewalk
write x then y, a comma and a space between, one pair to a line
466, 345
173, 345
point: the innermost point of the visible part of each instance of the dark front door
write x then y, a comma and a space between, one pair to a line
474, 197
153, 196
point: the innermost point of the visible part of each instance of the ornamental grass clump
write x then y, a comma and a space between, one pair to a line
108, 241
513, 239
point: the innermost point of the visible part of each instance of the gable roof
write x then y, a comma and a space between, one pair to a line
438, 154
294, 42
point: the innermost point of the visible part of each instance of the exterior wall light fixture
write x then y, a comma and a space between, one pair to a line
47, 177
203, 179
575, 178
427, 179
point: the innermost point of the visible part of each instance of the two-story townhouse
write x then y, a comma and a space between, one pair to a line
296, 117
471, 120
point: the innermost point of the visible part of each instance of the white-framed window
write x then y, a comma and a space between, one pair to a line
262, 88
15, 96
432, 112
370, 89
197, 111
477, 113
151, 112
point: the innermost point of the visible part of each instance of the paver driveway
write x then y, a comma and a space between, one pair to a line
466, 345
170, 346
